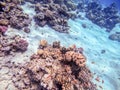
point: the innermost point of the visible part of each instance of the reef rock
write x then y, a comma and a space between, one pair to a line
115, 36
27, 30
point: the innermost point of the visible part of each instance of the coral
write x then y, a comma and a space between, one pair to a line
56, 44
3, 29
9, 45
43, 43
20, 45
53, 14
78, 58
105, 17
70, 5
12, 14
4, 22
51, 69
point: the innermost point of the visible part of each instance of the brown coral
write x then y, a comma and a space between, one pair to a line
78, 58
43, 43
51, 69
4, 22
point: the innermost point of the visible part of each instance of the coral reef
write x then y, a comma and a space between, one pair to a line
54, 13
12, 14
54, 68
9, 45
105, 17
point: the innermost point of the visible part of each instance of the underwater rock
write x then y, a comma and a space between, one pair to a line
20, 22
61, 29
50, 69
103, 51
84, 25
115, 36
27, 30
39, 19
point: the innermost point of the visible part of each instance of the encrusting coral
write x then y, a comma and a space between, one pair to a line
11, 44
54, 68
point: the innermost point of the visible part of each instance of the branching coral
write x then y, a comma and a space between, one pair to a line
55, 68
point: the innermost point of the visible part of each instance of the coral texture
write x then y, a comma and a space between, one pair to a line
55, 68
54, 13
9, 45
105, 17
3, 29
12, 14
